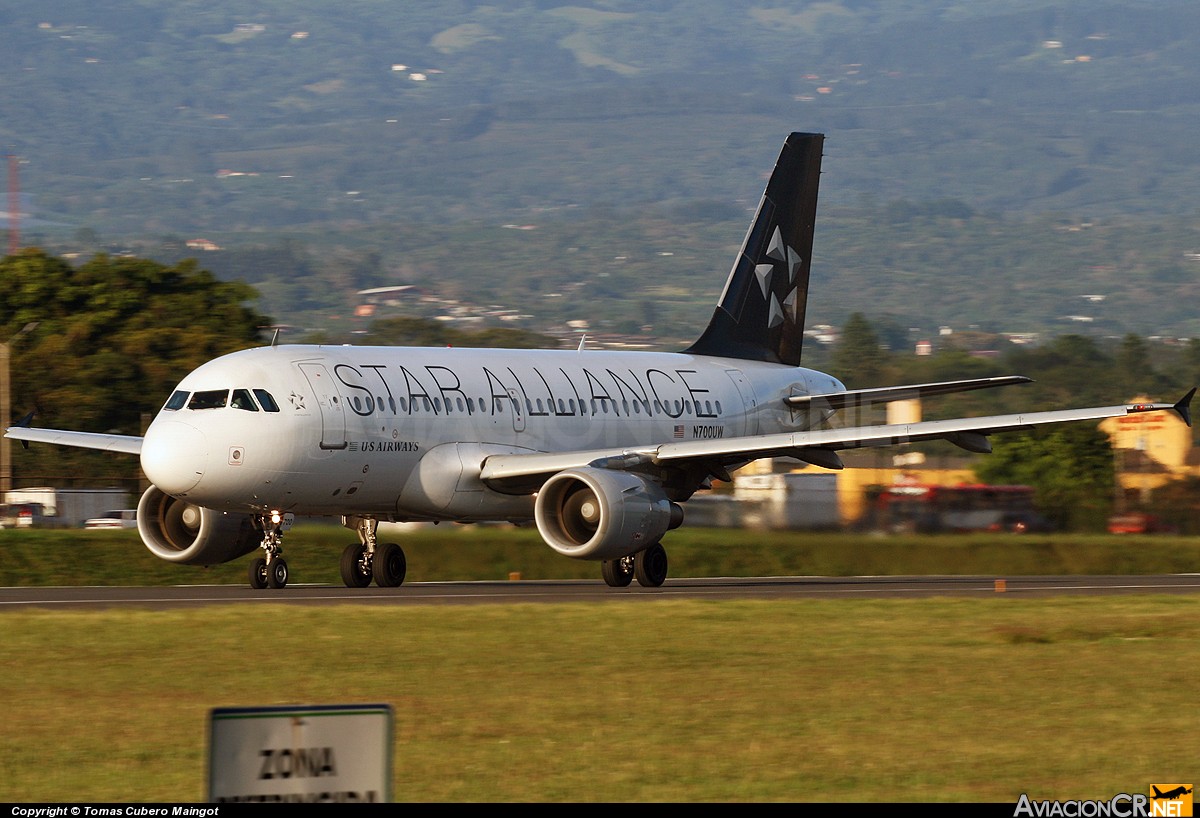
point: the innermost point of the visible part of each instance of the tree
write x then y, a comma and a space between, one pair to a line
1135, 368
112, 339
858, 359
1070, 467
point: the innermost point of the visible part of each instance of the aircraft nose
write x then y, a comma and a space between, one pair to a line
174, 456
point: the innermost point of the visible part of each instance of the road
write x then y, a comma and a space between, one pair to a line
527, 591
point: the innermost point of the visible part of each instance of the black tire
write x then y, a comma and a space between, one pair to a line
616, 573
389, 565
258, 573
355, 572
650, 566
277, 573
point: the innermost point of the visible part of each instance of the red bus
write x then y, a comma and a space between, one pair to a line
917, 507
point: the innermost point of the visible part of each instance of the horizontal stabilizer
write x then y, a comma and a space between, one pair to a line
852, 398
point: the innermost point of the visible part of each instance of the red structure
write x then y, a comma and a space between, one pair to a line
930, 508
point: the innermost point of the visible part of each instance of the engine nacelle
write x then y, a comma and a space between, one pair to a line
598, 514
179, 531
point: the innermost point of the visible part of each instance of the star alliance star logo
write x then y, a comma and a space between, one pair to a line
779, 253
297, 401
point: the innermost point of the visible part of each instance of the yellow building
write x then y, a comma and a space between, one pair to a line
1151, 450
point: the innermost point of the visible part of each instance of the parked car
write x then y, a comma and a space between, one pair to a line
117, 518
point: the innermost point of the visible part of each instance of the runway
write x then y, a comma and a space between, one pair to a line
560, 591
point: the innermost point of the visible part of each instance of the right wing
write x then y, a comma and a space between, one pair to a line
87, 440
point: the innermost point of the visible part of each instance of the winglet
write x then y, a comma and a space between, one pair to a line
1183, 407
24, 423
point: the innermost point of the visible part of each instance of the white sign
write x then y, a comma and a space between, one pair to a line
321, 754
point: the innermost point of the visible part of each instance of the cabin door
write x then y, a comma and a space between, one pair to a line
333, 416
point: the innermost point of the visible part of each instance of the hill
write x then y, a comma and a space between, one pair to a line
364, 145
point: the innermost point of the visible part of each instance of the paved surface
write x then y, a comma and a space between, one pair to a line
532, 591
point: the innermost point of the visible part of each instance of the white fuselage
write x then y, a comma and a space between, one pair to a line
399, 433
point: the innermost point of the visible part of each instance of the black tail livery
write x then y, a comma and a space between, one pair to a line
760, 315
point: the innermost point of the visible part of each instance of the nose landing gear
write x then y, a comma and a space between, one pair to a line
270, 571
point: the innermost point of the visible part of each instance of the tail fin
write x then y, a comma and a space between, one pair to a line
760, 315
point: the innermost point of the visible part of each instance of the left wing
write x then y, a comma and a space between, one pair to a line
818, 447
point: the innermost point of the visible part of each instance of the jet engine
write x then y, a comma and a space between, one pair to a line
178, 531
598, 514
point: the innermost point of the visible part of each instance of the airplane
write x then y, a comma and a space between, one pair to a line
600, 449
1170, 795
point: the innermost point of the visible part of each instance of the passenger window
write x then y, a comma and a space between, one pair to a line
213, 399
242, 400
268, 402
177, 401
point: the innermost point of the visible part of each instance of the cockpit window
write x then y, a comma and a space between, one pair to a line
177, 401
214, 399
242, 400
268, 402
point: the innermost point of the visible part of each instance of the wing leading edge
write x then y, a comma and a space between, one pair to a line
819, 447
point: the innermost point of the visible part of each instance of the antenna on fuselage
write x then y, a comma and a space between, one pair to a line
275, 337
582, 341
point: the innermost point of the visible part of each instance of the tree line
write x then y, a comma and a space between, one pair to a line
100, 346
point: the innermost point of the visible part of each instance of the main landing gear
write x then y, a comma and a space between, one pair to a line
270, 571
648, 566
368, 559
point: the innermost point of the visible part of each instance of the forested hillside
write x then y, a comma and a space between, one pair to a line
988, 163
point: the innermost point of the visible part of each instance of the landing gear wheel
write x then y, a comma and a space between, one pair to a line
389, 565
617, 573
277, 573
356, 571
650, 566
258, 573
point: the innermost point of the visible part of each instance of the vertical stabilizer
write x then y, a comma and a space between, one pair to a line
760, 315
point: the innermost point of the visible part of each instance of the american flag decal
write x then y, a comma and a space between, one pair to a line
678, 431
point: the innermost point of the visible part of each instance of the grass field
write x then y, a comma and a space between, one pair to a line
452, 552
963, 700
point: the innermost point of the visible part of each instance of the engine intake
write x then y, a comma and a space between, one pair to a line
598, 514
178, 531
